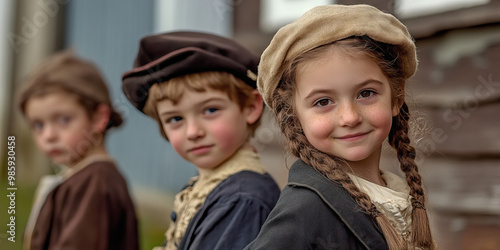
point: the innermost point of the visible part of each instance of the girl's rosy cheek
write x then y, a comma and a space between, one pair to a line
382, 118
319, 128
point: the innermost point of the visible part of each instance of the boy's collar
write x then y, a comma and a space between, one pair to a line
244, 159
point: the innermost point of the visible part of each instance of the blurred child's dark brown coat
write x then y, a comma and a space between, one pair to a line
90, 210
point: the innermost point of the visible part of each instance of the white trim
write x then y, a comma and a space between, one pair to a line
415, 8
165, 15
212, 16
274, 14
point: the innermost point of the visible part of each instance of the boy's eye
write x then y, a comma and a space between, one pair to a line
366, 93
323, 102
174, 119
211, 110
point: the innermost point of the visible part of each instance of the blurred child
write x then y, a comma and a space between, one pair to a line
200, 88
335, 79
87, 205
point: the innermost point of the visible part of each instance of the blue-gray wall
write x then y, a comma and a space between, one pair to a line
108, 33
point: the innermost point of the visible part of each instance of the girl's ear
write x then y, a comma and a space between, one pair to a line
396, 107
254, 107
101, 117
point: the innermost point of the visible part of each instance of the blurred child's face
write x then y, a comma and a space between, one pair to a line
61, 127
205, 128
344, 106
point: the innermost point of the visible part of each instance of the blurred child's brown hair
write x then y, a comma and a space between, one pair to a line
66, 72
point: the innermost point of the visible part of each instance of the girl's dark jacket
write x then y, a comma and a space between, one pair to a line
315, 213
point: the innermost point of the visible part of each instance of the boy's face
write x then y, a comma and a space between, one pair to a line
206, 128
61, 127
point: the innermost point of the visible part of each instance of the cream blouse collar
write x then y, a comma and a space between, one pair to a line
393, 201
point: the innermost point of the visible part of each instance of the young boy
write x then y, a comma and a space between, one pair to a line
200, 88
87, 205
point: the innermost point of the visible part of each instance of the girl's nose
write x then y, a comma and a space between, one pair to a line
194, 130
349, 115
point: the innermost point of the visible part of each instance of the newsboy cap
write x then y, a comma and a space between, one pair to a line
324, 25
162, 57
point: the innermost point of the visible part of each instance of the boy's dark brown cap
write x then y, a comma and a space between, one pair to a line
165, 56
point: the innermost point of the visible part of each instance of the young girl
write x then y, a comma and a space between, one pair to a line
87, 205
335, 79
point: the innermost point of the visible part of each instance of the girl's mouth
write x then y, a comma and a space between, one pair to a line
353, 137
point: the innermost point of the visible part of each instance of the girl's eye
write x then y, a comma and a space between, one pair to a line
174, 119
366, 93
323, 102
211, 111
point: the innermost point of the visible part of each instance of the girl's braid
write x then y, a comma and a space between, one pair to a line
400, 140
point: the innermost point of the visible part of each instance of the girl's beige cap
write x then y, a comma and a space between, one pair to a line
326, 24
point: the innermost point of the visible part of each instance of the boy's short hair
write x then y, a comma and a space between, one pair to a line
66, 72
173, 90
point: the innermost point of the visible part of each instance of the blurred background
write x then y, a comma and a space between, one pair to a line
456, 96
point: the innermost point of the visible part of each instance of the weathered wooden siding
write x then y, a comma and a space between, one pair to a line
458, 89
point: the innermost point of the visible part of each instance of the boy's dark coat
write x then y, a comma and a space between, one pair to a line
233, 213
315, 213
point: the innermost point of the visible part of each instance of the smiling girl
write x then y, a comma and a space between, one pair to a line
335, 79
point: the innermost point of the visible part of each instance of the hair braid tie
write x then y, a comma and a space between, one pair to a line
417, 204
373, 211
